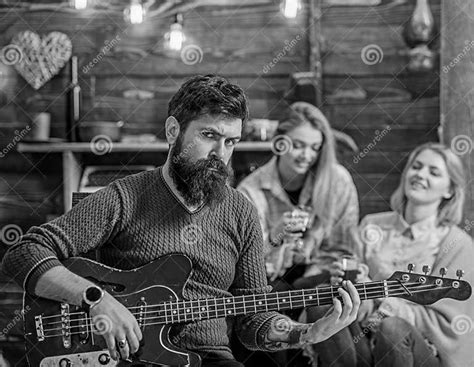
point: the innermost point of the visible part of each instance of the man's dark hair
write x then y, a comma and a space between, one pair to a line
207, 94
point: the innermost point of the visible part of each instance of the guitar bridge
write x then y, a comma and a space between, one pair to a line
65, 325
39, 328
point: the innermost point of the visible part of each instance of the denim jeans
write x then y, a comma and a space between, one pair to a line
399, 344
396, 344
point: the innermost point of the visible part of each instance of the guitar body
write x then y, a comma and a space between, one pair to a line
159, 281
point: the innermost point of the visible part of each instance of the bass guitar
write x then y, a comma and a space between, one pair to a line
63, 335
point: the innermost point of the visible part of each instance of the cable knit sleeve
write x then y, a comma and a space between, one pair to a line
250, 278
92, 222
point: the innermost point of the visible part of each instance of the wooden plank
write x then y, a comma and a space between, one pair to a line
457, 107
417, 114
388, 13
420, 85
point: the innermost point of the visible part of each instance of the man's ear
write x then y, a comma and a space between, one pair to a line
171, 130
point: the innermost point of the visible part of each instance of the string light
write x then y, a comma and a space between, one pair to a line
135, 13
290, 8
79, 4
176, 36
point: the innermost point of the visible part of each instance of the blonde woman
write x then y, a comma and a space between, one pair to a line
421, 229
304, 177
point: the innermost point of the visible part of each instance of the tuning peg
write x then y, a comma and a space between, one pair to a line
459, 273
411, 267
426, 269
443, 272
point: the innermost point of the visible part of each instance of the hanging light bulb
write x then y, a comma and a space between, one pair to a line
79, 4
135, 13
290, 8
176, 35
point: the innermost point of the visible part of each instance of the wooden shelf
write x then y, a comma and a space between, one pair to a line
244, 146
72, 157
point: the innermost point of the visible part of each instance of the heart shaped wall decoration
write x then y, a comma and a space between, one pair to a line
42, 57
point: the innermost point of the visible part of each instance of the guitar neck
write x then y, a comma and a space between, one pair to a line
205, 309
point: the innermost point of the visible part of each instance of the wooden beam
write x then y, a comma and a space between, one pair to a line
457, 89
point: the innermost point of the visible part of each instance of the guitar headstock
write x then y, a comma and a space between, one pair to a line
426, 289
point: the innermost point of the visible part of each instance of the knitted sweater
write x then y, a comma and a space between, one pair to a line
138, 219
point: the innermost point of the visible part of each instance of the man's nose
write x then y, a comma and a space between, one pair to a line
218, 150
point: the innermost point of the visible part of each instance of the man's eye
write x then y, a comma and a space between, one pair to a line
208, 135
231, 142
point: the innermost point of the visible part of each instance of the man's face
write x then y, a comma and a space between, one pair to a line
200, 158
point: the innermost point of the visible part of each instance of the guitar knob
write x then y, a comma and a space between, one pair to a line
459, 273
65, 362
411, 267
426, 269
104, 358
443, 272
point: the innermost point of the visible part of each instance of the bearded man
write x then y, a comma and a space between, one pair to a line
185, 206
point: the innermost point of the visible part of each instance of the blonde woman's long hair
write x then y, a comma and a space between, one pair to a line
322, 171
450, 211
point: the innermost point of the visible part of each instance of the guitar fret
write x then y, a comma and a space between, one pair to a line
254, 303
266, 303
207, 308
317, 296
365, 292
166, 315
304, 300
278, 302
243, 302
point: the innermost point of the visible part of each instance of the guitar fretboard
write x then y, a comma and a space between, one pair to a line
212, 308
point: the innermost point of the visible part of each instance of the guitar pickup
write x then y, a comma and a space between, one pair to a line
65, 325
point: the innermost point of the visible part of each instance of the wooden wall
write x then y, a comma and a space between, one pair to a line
239, 43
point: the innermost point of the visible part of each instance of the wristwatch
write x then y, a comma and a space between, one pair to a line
91, 296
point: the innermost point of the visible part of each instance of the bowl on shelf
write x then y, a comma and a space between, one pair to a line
90, 129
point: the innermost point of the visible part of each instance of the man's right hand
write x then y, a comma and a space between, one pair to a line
118, 326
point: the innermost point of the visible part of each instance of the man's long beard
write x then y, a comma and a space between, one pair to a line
202, 181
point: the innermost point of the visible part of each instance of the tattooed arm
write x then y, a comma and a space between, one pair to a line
283, 333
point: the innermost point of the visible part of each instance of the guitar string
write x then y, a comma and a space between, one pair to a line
186, 305
294, 293
164, 318
163, 323
323, 291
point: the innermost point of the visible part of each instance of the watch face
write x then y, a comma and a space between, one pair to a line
93, 294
